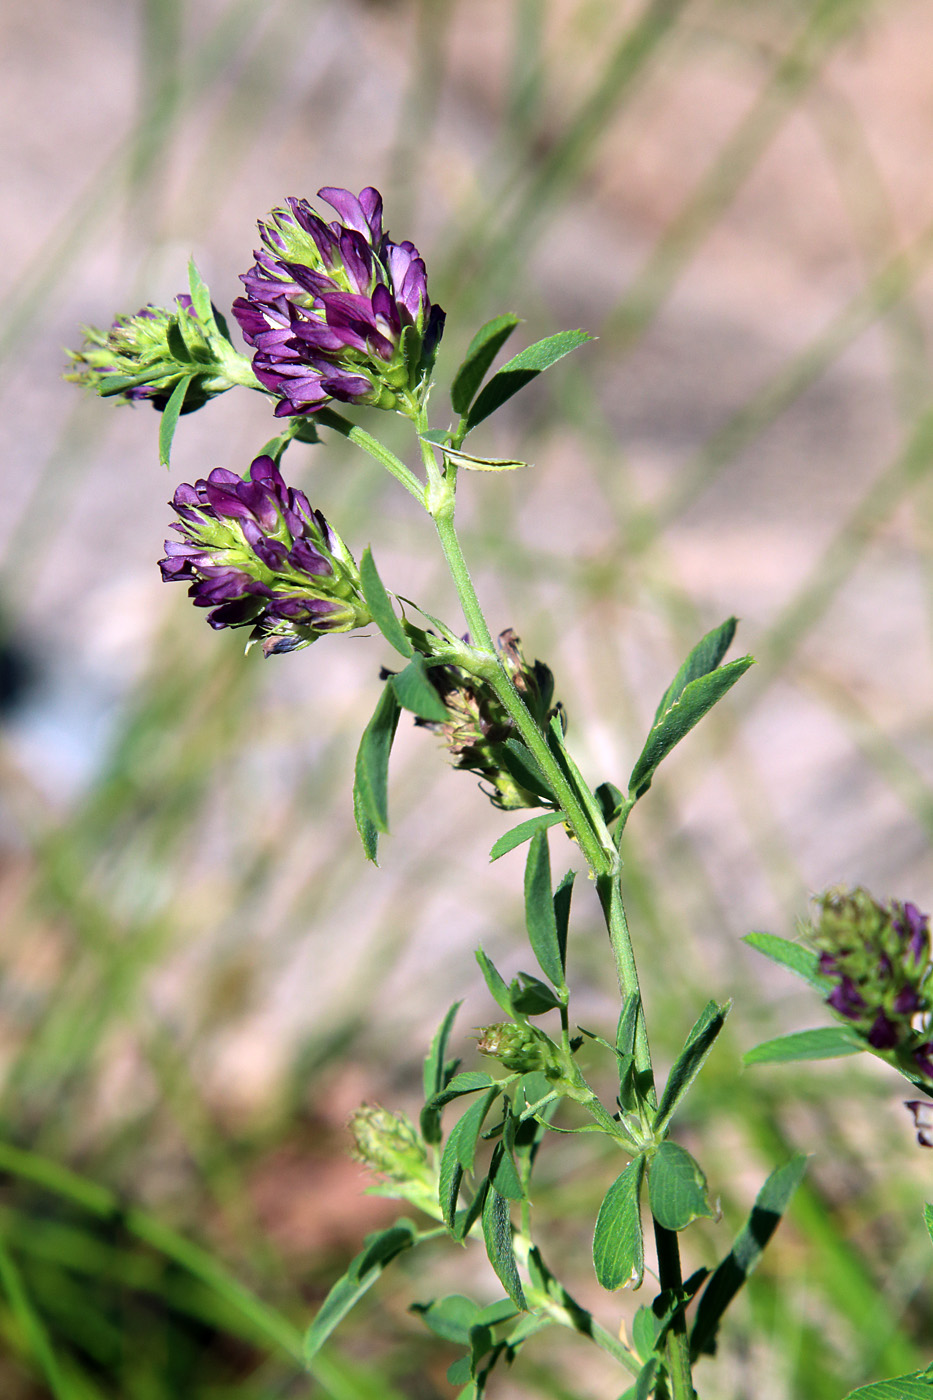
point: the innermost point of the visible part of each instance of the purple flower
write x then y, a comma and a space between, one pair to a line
914, 928
254, 552
846, 999
337, 310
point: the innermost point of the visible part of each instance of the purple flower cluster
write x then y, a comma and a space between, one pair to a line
337, 310
878, 957
254, 552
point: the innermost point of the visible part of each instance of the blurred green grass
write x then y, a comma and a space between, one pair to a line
200, 976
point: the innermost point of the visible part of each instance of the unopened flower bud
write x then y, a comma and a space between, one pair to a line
144, 357
256, 554
521, 1048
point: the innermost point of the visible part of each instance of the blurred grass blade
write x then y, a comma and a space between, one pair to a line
770, 1204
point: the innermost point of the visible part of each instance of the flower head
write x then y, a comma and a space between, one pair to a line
255, 553
144, 357
337, 310
478, 724
520, 1048
877, 957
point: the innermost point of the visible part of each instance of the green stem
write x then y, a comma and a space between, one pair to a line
677, 1344
609, 889
327, 418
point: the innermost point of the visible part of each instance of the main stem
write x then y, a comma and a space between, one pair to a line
677, 1344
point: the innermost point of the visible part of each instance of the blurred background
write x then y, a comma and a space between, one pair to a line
201, 976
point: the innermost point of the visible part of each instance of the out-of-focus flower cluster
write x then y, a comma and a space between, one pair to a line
255, 553
878, 957
337, 310
144, 357
478, 724
390, 1145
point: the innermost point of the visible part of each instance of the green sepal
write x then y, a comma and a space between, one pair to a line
524, 832
434, 1077
821, 1043
690, 1061
380, 605
370, 788
618, 1244
414, 692
677, 1188
497, 1232
802, 961
693, 701
726, 1280
379, 1250
170, 415
540, 918
481, 351
518, 372
495, 983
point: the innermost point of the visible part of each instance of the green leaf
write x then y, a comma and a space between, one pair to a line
523, 832
200, 296
520, 763
822, 1043
471, 463
170, 416
370, 788
467, 1083
677, 1187
414, 692
928, 1219
540, 918
770, 1204
497, 1232
467, 1130
618, 1246
495, 983
644, 1385
460, 1153
532, 997
367, 829
380, 605
912, 1387
433, 1072
705, 657
690, 1061
380, 1249
481, 351
450, 1317
519, 371
694, 701
503, 1176
794, 956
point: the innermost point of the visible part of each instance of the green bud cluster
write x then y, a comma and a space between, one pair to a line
390, 1144
521, 1048
146, 356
